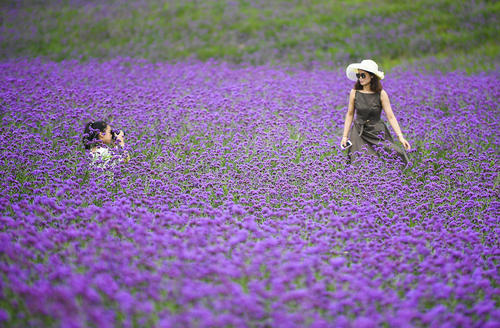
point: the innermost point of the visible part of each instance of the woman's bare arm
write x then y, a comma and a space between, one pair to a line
386, 105
348, 117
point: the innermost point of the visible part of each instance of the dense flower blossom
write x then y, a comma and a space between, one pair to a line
237, 206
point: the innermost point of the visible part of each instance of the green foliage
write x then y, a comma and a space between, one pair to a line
393, 32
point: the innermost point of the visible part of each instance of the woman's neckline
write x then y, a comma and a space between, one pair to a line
368, 93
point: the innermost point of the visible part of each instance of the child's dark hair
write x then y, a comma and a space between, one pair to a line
91, 133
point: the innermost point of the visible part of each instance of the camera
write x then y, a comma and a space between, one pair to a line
348, 144
115, 133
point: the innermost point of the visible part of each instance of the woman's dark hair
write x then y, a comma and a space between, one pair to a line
91, 133
375, 84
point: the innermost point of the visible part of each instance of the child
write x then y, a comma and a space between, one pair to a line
98, 138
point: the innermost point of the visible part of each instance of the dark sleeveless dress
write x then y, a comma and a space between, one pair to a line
368, 130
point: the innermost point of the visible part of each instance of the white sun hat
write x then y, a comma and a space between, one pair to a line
366, 65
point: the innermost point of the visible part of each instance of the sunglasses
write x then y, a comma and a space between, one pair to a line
362, 75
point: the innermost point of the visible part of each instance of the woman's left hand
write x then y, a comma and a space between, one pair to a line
405, 143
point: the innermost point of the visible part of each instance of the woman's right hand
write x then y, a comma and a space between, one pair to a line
343, 143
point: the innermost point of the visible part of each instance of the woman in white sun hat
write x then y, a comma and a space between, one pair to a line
368, 99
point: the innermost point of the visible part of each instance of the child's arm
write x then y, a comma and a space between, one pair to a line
121, 142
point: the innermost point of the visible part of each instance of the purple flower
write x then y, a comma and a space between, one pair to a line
237, 207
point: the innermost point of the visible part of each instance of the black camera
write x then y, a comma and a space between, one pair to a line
115, 133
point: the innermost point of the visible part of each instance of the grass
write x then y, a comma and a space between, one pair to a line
393, 32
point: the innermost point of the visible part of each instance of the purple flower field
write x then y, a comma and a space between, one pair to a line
237, 208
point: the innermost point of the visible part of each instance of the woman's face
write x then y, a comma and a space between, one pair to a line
106, 136
364, 77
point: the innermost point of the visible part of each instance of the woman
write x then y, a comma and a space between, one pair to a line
367, 99
98, 137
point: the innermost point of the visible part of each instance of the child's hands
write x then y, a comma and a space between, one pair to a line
120, 138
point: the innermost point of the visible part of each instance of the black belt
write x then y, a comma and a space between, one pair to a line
361, 125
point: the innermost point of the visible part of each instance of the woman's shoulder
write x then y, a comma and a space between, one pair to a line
383, 95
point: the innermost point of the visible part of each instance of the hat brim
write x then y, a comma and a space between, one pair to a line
352, 69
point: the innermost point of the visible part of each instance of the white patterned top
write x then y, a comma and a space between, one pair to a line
102, 157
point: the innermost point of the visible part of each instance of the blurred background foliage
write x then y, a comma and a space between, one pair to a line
445, 34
